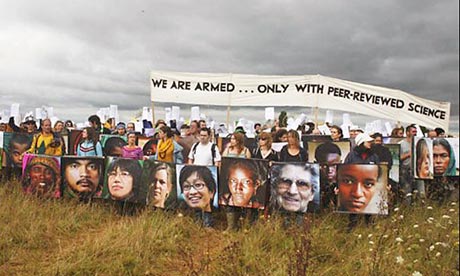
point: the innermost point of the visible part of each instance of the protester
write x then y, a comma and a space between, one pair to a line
130, 127
336, 133
89, 144
328, 155
95, 122
46, 142
204, 152
131, 150
362, 153
281, 135
293, 152
406, 179
168, 150
120, 129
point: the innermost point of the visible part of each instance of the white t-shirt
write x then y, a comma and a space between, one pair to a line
203, 155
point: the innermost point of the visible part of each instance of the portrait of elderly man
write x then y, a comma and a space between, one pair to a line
362, 188
294, 186
83, 177
41, 176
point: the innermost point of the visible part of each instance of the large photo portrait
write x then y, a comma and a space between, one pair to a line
160, 179
148, 145
422, 149
82, 177
113, 144
123, 180
295, 187
242, 182
197, 186
15, 144
74, 140
41, 176
362, 189
445, 157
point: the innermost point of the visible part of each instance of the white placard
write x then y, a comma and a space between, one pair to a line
167, 115
346, 119
113, 111
324, 129
14, 111
146, 113
38, 113
345, 130
269, 113
175, 113
194, 113
388, 128
50, 111
138, 126
329, 117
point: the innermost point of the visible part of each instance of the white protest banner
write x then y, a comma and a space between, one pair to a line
297, 91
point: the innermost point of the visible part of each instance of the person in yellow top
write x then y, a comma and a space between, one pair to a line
165, 148
46, 142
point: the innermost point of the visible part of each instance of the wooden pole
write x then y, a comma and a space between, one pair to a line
228, 116
153, 114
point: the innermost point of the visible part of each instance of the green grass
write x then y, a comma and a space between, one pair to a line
62, 237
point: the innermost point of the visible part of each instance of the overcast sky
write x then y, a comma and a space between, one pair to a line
79, 56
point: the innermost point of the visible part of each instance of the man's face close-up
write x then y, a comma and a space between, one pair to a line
357, 186
241, 185
82, 176
294, 189
16, 153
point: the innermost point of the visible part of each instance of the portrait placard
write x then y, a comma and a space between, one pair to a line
422, 161
112, 145
41, 175
197, 186
445, 156
14, 145
362, 189
82, 177
242, 182
160, 180
123, 180
295, 187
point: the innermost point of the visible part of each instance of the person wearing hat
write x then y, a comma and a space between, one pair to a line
42, 177
121, 129
354, 131
28, 126
362, 153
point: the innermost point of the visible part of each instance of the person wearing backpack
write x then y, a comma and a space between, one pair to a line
204, 152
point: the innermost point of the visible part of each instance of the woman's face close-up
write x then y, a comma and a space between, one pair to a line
160, 188
196, 193
120, 183
241, 185
424, 163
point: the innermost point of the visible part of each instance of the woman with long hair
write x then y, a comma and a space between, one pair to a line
165, 148
89, 145
236, 147
293, 152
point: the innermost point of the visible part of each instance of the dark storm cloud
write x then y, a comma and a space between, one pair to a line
96, 53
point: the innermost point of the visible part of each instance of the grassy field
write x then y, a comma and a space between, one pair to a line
61, 237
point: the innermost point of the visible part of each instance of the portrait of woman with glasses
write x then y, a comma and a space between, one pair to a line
198, 187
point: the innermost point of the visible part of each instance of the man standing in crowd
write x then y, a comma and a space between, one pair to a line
130, 127
204, 152
46, 142
95, 122
406, 181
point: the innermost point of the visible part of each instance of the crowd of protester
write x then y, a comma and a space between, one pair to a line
195, 143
